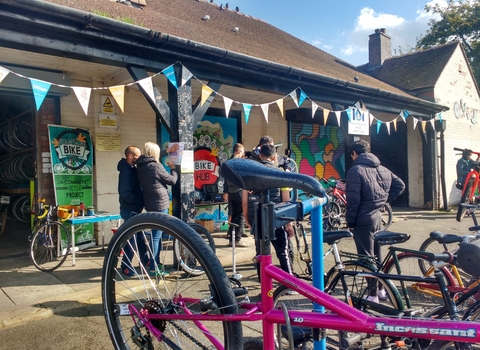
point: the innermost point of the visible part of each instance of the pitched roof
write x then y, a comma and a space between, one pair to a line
417, 70
183, 18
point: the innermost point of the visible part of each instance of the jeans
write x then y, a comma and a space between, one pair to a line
136, 243
156, 244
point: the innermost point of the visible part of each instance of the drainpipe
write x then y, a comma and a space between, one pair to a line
442, 166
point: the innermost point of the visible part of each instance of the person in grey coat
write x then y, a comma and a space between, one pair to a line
154, 178
369, 186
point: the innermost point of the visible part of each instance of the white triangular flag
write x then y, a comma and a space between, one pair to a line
3, 73
338, 114
388, 127
314, 108
228, 104
265, 110
415, 121
83, 96
147, 85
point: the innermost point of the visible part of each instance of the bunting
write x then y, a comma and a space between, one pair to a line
169, 72
265, 110
83, 96
40, 90
206, 92
118, 93
314, 108
279, 103
228, 104
246, 110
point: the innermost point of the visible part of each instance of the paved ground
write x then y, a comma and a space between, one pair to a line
27, 294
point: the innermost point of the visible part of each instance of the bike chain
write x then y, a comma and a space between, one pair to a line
188, 335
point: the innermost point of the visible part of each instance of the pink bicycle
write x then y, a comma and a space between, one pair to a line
205, 311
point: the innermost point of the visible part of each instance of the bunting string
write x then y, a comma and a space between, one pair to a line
40, 90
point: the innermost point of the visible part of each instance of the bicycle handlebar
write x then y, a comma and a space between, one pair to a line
466, 149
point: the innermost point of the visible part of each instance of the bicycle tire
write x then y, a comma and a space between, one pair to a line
333, 213
185, 258
358, 288
424, 297
432, 246
46, 244
3, 221
473, 315
387, 216
465, 199
157, 295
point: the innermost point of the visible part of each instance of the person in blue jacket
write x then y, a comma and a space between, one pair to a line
131, 203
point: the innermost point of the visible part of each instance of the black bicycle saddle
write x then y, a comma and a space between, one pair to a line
254, 176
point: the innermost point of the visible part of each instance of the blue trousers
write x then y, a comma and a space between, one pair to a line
156, 244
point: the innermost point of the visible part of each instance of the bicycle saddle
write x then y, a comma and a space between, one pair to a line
331, 237
253, 176
389, 237
445, 237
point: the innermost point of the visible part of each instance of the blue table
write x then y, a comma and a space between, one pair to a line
99, 217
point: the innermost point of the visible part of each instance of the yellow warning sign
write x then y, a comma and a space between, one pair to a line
107, 120
108, 105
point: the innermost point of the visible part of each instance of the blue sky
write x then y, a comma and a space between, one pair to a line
341, 27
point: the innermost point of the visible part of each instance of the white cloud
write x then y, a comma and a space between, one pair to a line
404, 32
316, 42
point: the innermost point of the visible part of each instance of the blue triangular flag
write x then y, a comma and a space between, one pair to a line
349, 114
169, 72
246, 111
302, 97
406, 113
40, 90
379, 124
440, 117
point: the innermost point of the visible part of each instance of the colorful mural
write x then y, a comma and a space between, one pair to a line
318, 150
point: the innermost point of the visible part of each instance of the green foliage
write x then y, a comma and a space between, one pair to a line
460, 20
124, 19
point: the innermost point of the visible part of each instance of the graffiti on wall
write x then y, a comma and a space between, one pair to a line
319, 151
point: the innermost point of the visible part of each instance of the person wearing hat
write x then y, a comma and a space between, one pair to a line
464, 166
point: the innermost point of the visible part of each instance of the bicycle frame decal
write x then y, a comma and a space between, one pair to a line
469, 333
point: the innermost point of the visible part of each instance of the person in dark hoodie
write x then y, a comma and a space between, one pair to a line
369, 186
154, 178
131, 203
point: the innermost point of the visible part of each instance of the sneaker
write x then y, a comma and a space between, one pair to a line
241, 244
245, 234
126, 271
159, 272
373, 299
382, 295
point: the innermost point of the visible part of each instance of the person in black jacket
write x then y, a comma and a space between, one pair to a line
369, 186
154, 178
131, 203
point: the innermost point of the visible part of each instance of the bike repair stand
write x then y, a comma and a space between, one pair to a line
235, 275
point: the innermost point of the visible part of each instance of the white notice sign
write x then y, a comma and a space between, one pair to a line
359, 123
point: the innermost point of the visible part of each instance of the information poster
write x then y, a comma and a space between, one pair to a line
72, 168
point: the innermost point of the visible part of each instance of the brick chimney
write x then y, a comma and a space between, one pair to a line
379, 48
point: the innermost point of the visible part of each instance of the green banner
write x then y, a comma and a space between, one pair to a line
72, 167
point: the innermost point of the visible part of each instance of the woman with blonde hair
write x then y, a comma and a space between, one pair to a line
154, 178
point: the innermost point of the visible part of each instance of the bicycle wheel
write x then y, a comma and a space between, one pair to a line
50, 246
129, 302
3, 221
432, 246
387, 216
185, 258
417, 296
358, 284
333, 213
465, 199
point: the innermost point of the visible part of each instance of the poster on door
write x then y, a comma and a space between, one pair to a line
72, 167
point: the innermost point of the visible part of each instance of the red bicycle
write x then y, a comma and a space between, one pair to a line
336, 192
470, 186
